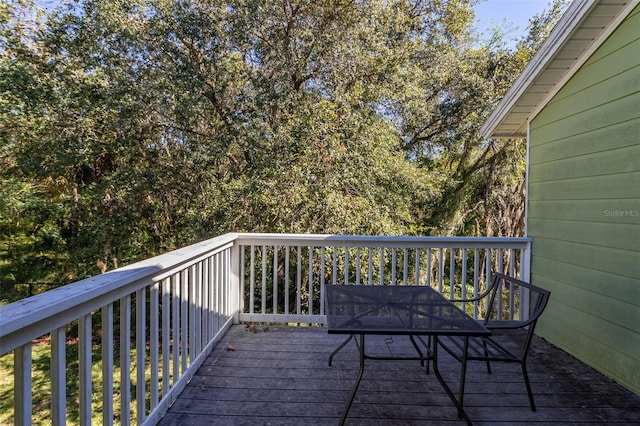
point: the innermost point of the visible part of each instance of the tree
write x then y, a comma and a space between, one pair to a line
140, 126
440, 121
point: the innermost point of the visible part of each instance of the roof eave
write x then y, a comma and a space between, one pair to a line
566, 26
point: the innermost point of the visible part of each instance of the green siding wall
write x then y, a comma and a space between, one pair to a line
584, 209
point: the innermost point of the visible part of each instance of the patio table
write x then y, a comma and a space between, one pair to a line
399, 310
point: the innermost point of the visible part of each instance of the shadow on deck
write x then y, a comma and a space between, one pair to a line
281, 377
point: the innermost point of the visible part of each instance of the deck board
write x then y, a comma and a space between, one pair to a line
281, 377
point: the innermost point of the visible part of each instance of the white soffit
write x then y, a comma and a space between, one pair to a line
583, 27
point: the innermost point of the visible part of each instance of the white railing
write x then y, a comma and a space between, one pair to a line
284, 276
157, 320
161, 316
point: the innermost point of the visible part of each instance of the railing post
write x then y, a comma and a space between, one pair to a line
235, 297
58, 377
22, 384
525, 263
525, 275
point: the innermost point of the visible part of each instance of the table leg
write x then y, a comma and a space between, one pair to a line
417, 348
444, 385
339, 348
358, 379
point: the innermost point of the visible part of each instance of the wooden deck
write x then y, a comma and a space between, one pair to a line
281, 377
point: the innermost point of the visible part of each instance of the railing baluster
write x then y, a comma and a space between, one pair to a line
394, 261
322, 279
107, 364
358, 265
214, 292
225, 276
264, 280
22, 382
216, 264
381, 267
440, 269
216, 282
175, 329
154, 330
225, 291
219, 290
252, 272
211, 282
204, 288
141, 343
405, 278
429, 266
417, 273
488, 262
197, 310
310, 281
166, 337
500, 269
58, 377
370, 269
287, 253
275, 279
452, 272
463, 274
346, 265
335, 266
125, 360
476, 281
241, 277
193, 303
203, 304
184, 319
299, 280
84, 366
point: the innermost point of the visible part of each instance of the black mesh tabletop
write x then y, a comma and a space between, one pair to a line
411, 310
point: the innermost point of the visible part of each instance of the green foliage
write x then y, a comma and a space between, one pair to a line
130, 128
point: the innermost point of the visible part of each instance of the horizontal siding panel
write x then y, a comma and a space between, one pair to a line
625, 211
621, 185
599, 308
619, 111
595, 95
606, 284
618, 62
608, 162
623, 263
616, 136
615, 235
616, 338
619, 366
